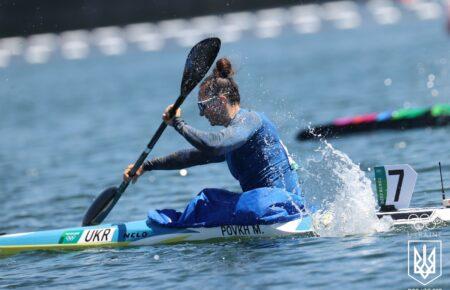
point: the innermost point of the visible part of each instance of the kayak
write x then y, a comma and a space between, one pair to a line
419, 218
394, 189
402, 119
144, 233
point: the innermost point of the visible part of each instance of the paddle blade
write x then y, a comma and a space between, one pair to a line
199, 61
101, 206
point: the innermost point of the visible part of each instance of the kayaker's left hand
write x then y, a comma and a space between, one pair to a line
126, 174
166, 117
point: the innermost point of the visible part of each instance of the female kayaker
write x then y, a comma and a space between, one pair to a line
249, 143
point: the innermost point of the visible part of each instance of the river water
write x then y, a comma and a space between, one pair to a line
68, 128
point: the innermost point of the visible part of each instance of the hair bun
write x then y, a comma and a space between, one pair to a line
223, 68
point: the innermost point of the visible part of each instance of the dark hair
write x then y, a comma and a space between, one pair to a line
221, 82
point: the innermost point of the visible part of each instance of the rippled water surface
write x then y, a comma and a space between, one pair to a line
68, 128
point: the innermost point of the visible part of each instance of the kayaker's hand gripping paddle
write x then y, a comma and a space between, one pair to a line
200, 59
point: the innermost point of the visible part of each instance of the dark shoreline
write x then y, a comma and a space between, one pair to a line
26, 17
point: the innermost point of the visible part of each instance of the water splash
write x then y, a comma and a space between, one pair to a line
341, 192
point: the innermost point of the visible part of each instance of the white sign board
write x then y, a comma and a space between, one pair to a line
395, 185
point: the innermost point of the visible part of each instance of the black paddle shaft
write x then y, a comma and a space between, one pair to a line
123, 186
198, 62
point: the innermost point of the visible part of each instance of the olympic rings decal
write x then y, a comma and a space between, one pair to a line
423, 221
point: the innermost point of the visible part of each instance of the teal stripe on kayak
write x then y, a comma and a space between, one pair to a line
305, 224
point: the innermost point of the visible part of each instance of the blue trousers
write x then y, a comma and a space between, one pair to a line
215, 207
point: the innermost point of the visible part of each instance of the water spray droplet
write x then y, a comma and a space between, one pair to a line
400, 145
183, 172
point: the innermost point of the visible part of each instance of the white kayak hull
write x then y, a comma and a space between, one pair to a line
418, 217
141, 233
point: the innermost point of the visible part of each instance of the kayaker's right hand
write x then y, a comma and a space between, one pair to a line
126, 174
166, 116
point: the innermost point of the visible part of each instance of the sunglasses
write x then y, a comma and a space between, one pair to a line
203, 104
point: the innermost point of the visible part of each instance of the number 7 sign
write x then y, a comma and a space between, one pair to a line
395, 185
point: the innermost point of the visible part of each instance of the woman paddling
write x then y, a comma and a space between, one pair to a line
249, 144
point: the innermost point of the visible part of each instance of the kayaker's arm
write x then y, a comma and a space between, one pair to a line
219, 143
181, 159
